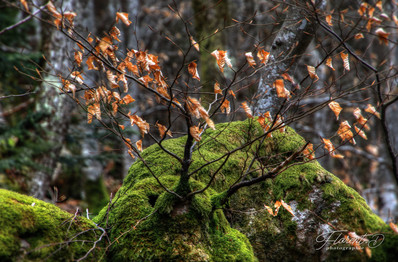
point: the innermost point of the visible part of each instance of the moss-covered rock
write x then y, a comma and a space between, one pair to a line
32, 230
321, 203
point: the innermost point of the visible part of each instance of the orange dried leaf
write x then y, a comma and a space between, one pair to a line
360, 119
329, 20
277, 205
346, 61
309, 151
124, 17
145, 80
330, 147
372, 110
78, 58
225, 108
360, 133
195, 133
247, 110
368, 252
53, 10
222, 59
345, 132
250, 59
359, 36
336, 108
90, 63
269, 209
379, 5
143, 126
362, 9
112, 79
104, 44
312, 72
193, 70
394, 227
25, 5
121, 127
287, 207
329, 62
281, 91
263, 56
217, 89
382, 35
138, 144
162, 130
232, 93
127, 99
194, 43
131, 154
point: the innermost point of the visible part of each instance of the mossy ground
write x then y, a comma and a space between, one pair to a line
32, 230
144, 223
317, 196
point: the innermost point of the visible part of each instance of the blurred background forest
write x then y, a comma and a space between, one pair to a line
48, 150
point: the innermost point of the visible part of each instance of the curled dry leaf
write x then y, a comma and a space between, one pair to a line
78, 58
222, 59
143, 126
250, 59
309, 151
247, 110
138, 144
336, 108
217, 89
394, 227
193, 70
329, 62
131, 154
360, 133
382, 35
372, 110
269, 209
330, 147
345, 132
346, 61
194, 43
360, 119
287, 207
25, 5
312, 72
162, 130
263, 56
225, 108
127, 99
124, 17
359, 36
232, 93
277, 205
328, 19
195, 132
281, 91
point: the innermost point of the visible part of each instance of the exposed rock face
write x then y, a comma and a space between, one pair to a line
146, 223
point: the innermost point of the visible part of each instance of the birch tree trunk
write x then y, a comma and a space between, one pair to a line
57, 108
293, 38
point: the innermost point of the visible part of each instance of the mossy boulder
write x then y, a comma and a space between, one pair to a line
321, 203
33, 230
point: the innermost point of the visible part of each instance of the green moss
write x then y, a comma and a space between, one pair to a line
32, 230
201, 229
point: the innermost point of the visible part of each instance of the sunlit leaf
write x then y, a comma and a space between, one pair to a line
131, 154
195, 133
329, 62
329, 20
124, 17
372, 110
143, 126
281, 91
336, 108
25, 5
232, 93
263, 56
78, 58
217, 89
250, 59
193, 70
222, 59
194, 43
225, 108
277, 205
145, 80
127, 99
346, 61
138, 144
309, 151
247, 110
345, 132
287, 207
269, 209
360, 119
90, 63
360, 133
330, 148
382, 35
312, 72
162, 130
358, 36
394, 227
